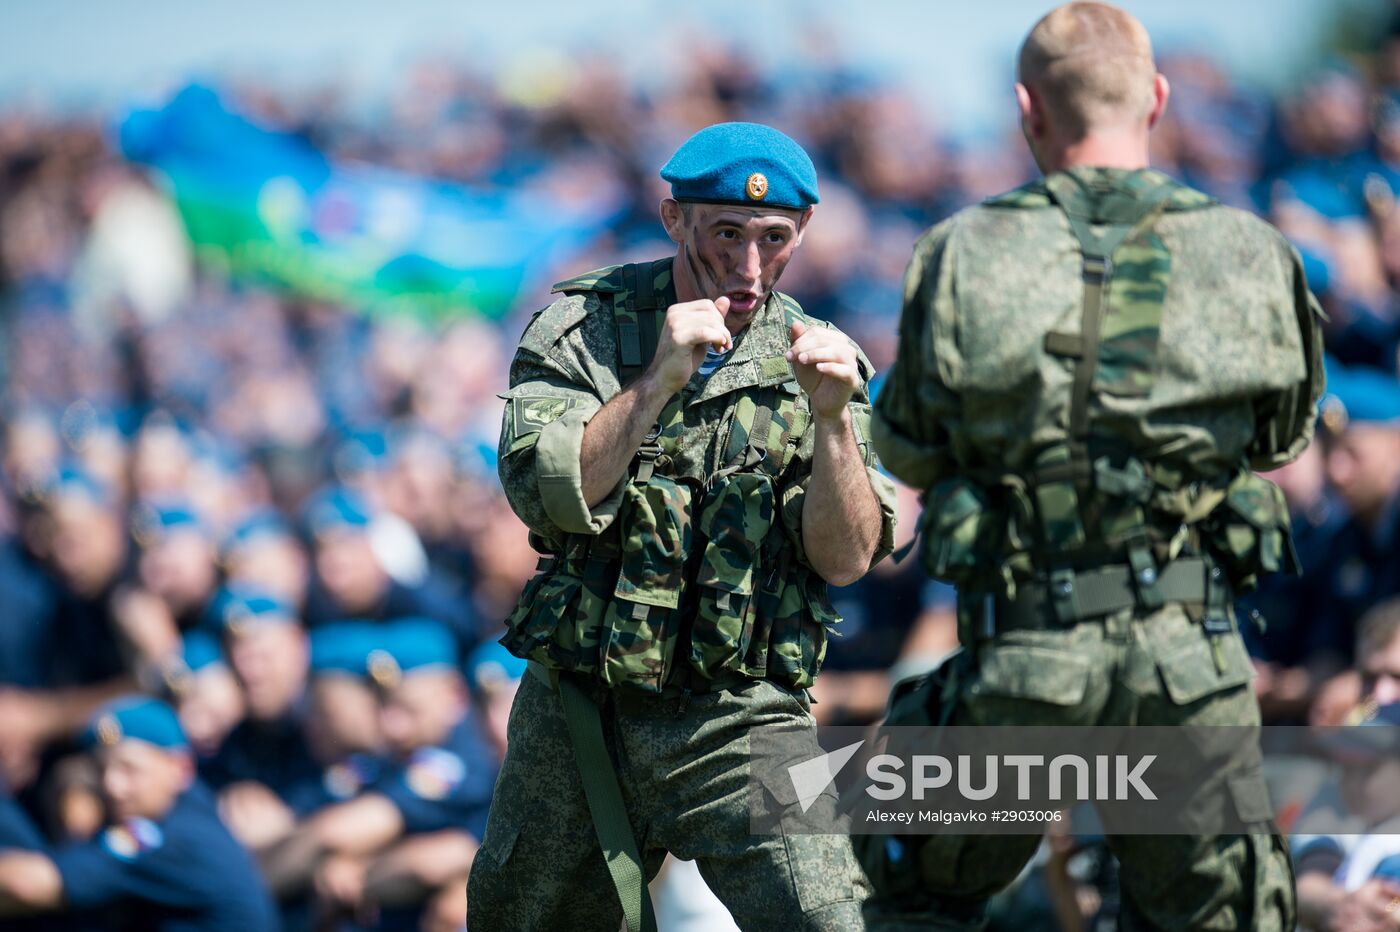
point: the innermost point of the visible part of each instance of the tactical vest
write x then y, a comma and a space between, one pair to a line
695, 586
1044, 534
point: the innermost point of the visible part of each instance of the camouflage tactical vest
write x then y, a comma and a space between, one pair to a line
695, 586
1089, 499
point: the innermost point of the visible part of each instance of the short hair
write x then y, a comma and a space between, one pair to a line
1091, 64
1377, 629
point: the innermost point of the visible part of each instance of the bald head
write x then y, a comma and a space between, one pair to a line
1090, 67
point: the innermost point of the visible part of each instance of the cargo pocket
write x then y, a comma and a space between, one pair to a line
541, 626
958, 530
1250, 533
639, 637
1026, 684
738, 514
1188, 667
822, 865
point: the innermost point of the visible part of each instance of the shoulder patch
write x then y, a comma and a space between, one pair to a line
433, 773
607, 280
132, 838
532, 412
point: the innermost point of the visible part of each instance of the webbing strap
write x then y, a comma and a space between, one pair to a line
1069, 597
629, 340
605, 805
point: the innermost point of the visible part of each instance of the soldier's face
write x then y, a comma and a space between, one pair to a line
733, 251
141, 780
422, 709
1364, 466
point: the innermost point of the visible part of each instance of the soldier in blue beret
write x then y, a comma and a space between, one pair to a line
353, 548
264, 760
164, 861
342, 715
207, 694
1361, 433
263, 550
691, 452
414, 830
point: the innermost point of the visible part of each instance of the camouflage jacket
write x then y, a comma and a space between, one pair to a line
702, 559
1207, 362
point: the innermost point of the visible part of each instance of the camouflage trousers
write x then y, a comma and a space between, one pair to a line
683, 765
1124, 670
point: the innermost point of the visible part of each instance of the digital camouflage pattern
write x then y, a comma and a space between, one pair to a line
1208, 365
700, 564
1236, 376
1151, 670
684, 767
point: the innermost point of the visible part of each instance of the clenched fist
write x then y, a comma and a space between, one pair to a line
826, 367
691, 329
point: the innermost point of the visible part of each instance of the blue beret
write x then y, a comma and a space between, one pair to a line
139, 718
201, 649
72, 480
1359, 395
742, 163
343, 647
335, 508
239, 604
491, 666
155, 519
362, 451
254, 527
409, 645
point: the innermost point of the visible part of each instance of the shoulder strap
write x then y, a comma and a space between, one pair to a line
1096, 247
637, 319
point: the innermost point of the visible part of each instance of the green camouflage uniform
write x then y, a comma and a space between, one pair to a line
1088, 369
684, 606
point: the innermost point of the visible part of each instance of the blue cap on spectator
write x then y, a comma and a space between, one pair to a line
71, 479
256, 526
201, 649
1359, 395
361, 451
238, 605
337, 508
137, 718
742, 163
154, 520
490, 666
343, 647
410, 645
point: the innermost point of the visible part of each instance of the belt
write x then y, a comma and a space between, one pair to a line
1069, 598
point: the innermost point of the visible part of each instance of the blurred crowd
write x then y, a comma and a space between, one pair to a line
265, 508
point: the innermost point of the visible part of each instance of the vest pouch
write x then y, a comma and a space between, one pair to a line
797, 637
960, 531
541, 626
1250, 533
737, 516
639, 636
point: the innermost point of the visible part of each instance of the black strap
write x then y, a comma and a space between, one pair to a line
1070, 597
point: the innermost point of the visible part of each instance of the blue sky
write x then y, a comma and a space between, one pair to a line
956, 56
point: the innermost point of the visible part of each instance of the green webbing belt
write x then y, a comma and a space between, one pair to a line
604, 795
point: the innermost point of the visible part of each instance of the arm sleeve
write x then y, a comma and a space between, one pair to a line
915, 406
96, 875
547, 407
1286, 424
440, 789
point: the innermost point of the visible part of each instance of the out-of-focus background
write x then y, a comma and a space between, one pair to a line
263, 266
